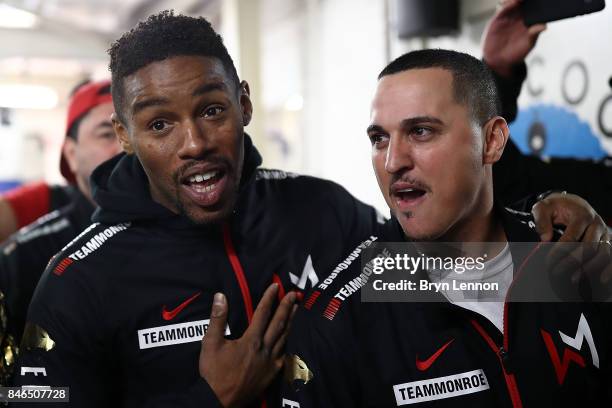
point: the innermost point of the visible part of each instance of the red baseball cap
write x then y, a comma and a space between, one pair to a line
84, 99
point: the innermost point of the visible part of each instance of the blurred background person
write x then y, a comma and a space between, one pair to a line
90, 140
22, 205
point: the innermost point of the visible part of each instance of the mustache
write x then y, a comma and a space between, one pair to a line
212, 160
410, 180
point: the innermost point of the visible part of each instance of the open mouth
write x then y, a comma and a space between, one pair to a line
409, 194
406, 198
205, 187
204, 182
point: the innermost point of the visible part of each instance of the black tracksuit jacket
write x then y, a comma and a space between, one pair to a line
127, 302
359, 354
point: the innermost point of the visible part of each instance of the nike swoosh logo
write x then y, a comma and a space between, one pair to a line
171, 314
425, 364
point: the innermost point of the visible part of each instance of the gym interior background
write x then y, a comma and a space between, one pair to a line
312, 67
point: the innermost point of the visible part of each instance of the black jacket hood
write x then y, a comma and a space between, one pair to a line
121, 188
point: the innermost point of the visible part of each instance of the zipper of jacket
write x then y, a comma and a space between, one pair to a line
502, 351
238, 272
242, 282
502, 355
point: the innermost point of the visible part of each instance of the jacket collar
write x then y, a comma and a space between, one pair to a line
518, 226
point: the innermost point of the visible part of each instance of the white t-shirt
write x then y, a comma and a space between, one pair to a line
489, 304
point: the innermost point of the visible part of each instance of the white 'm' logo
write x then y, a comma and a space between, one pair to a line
583, 332
307, 274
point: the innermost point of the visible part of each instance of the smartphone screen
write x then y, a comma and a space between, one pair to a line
543, 11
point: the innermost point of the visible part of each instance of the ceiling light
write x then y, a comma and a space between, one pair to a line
11, 17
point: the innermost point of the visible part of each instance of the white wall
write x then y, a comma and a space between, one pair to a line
330, 53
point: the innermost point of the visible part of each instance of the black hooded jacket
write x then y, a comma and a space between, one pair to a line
349, 353
119, 314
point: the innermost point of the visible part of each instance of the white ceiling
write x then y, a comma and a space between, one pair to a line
72, 36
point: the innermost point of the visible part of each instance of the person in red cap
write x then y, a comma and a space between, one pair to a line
90, 140
80, 155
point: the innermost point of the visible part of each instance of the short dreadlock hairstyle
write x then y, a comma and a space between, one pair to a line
162, 36
473, 83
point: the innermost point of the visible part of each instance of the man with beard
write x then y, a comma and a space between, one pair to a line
191, 237
186, 219
436, 132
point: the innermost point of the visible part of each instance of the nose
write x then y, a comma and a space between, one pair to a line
399, 155
195, 142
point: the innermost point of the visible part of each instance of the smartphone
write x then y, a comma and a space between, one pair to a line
543, 11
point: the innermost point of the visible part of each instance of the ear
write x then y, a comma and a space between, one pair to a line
245, 103
496, 135
122, 134
69, 152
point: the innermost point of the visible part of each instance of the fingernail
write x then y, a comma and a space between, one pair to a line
218, 304
274, 286
299, 296
219, 299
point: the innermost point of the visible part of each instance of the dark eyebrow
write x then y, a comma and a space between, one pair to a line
140, 105
410, 122
210, 87
375, 128
104, 124
407, 123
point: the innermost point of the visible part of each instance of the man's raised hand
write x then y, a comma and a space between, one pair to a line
238, 371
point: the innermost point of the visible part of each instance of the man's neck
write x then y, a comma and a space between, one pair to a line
481, 225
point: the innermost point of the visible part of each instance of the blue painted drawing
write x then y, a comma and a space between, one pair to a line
552, 131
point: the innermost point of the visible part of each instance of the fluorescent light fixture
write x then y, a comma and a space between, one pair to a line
19, 96
11, 17
294, 103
